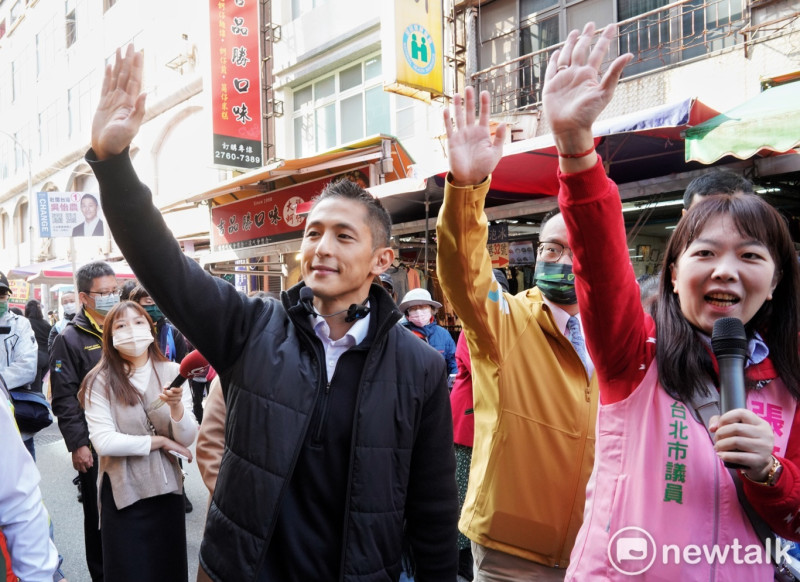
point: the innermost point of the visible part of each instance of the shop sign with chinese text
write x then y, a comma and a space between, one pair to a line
264, 219
236, 83
412, 47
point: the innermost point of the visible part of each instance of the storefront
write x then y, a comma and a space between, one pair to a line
257, 218
644, 153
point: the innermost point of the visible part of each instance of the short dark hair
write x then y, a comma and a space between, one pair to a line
137, 294
91, 271
127, 289
554, 212
716, 182
92, 196
378, 219
33, 310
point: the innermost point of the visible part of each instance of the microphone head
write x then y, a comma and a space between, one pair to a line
729, 337
194, 365
306, 294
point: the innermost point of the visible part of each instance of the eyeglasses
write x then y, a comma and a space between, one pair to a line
550, 252
98, 294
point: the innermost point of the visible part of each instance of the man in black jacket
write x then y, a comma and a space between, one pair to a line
75, 351
338, 429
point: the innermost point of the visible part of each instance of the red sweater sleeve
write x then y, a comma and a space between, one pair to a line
616, 326
780, 505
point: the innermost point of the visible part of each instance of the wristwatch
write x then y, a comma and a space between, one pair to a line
772, 476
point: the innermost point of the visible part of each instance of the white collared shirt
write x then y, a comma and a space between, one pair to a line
335, 348
562, 317
88, 227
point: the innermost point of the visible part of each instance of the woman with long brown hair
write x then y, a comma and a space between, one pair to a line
139, 441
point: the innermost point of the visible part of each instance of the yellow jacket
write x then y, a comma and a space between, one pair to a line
535, 407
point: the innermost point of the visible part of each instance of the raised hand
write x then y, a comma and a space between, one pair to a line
471, 151
574, 95
121, 110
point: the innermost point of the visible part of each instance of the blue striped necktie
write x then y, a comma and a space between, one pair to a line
576, 339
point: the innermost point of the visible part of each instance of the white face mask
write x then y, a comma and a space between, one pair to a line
69, 308
420, 317
134, 341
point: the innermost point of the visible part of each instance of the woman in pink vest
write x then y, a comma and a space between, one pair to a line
660, 504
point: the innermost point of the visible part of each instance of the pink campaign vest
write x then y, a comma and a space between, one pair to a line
660, 505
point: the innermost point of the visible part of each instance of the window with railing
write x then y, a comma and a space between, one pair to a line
17, 10
514, 38
46, 47
21, 223
4, 230
300, 7
70, 22
658, 33
48, 129
20, 155
539, 29
80, 106
5, 158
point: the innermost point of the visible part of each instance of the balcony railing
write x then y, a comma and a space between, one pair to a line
677, 32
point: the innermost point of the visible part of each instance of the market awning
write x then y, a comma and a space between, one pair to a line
26, 271
767, 123
287, 173
643, 144
64, 274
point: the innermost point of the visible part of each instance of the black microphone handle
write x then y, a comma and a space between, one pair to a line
731, 383
177, 381
731, 389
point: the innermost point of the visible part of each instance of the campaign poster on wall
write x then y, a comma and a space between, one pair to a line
236, 83
65, 214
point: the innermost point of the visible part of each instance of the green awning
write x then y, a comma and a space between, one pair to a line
769, 122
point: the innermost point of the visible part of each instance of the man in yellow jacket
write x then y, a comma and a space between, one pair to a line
535, 395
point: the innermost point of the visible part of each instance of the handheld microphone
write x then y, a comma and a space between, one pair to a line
729, 344
192, 366
354, 312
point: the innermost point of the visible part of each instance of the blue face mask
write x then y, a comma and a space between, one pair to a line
103, 305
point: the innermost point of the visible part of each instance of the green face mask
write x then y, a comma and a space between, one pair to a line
154, 312
3, 308
556, 282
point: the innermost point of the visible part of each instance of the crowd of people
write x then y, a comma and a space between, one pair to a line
581, 409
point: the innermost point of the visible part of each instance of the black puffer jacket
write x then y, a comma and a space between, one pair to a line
76, 350
401, 460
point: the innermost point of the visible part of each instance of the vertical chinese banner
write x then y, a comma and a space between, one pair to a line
236, 83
